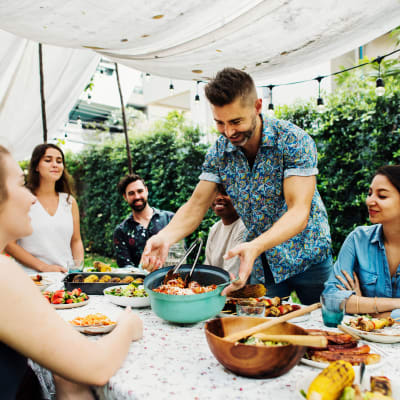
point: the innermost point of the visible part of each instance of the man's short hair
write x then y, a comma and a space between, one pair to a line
230, 84
126, 180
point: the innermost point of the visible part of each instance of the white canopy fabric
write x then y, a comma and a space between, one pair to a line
193, 39
190, 39
66, 72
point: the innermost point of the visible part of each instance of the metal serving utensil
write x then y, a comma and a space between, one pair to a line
172, 273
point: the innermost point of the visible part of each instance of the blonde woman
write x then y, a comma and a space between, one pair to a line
30, 327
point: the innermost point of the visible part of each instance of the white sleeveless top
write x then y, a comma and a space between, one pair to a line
51, 237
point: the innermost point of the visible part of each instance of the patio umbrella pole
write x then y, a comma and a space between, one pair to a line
42, 99
128, 151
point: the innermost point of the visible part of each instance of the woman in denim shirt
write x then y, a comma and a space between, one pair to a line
367, 270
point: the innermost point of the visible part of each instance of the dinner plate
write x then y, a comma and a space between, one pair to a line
70, 305
125, 301
304, 382
94, 329
386, 335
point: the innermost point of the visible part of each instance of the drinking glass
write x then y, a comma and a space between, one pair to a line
333, 309
75, 265
250, 309
175, 254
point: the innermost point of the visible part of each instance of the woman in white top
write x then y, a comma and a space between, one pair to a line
30, 327
56, 239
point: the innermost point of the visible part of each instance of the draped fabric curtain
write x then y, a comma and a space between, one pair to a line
66, 72
190, 40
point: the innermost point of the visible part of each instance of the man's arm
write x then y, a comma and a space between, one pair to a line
184, 222
298, 193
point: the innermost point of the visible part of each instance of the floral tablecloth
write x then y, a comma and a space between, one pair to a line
174, 362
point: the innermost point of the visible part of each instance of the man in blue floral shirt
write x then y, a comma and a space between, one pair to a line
131, 235
268, 169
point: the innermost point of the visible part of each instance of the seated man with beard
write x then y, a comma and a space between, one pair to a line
131, 235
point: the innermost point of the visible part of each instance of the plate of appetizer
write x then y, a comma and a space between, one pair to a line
129, 295
341, 346
41, 281
274, 307
93, 324
380, 330
347, 387
62, 299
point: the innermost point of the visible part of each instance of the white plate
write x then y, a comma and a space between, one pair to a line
94, 329
386, 335
44, 283
124, 301
70, 305
304, 382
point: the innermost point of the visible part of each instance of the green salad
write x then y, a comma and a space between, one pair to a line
259, 342
132, 290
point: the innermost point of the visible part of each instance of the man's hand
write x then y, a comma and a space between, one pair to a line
247, 254
155, 253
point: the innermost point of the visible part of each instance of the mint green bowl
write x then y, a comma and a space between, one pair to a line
193, 308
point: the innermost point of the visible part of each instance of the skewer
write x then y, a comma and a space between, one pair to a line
233, 337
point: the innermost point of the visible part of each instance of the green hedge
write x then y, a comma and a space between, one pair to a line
169, 159
355, 135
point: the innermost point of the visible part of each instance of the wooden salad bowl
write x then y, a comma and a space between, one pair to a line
253, 361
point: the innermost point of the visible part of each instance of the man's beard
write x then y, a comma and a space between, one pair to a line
247, 134
138, 207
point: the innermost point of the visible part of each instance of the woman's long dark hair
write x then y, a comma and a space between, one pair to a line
392, 172
33, 180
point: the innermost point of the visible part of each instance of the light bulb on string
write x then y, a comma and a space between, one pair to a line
89, 98
171, 89
380, 84
270, 111
79, 122
320, 101
147, 76
197, 97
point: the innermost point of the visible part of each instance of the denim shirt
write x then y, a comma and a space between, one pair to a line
364, 253
257, 194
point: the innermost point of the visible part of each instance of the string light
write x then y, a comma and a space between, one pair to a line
320, 101
147, 76
79, 122
270, 110
380, 84
197, 97
89, 98
171, 88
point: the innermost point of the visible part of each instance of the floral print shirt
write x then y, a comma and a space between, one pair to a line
257, 194
130, 237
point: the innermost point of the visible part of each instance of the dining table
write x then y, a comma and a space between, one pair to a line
173, 361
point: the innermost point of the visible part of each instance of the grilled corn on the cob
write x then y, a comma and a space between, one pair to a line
329, 384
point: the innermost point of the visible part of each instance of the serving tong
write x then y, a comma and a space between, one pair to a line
172, 273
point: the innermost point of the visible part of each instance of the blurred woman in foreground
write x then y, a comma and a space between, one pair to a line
56, 239
30, 327
367, 270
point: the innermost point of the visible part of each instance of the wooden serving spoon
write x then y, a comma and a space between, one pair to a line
299, 340
234, 337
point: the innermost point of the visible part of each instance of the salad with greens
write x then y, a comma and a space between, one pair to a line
132, 290
251, 340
